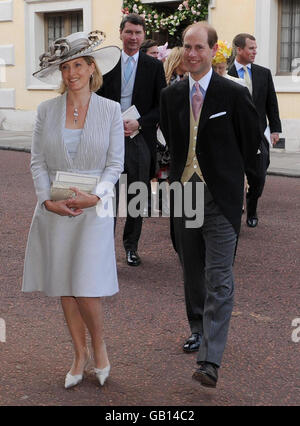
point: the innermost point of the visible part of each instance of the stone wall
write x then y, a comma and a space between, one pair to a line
16, 120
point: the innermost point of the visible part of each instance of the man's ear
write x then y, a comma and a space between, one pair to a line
239, 50
214, 49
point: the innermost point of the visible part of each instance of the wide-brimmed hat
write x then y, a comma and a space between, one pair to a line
75, 46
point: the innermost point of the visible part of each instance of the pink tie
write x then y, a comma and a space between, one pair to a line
197, 101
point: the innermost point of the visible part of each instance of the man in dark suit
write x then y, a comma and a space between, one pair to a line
260, 84
211, 127
136, 80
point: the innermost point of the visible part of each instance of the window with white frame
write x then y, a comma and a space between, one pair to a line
44, 22
289, 35
269, 34
61, 24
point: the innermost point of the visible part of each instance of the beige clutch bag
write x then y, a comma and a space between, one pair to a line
60, 188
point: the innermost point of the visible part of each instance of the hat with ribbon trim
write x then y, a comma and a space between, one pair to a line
223, 53
75, 46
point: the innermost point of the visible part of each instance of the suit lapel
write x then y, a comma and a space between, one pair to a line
211, 105
182, 104
139, 81
254, 81
184, 111
211, 102
116, 82
232, 71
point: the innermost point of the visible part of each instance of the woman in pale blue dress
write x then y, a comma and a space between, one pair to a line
70, 250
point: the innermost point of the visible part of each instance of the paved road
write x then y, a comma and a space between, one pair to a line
282, 163
145, 322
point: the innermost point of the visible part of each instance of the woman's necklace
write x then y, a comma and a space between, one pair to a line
76, 112
76, 115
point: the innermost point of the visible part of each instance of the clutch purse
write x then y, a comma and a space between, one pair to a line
60, 188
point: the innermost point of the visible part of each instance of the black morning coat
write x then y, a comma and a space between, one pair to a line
226, 143
149, 81
264, 96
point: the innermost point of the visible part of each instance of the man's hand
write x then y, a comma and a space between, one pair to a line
274, 138
130, 126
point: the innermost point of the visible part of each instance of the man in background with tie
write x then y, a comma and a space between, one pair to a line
210, 143
260, 84
136, 80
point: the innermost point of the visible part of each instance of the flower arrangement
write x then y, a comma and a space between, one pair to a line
188, 12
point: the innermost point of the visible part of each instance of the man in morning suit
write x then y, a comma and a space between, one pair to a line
260, 84
211, 127
136, 80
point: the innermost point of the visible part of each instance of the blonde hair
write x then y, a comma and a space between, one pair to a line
96, 80
172, 62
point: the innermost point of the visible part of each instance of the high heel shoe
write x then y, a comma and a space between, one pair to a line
102, 374
71, 380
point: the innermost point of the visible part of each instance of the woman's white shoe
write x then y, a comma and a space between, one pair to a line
102, 374
71, 380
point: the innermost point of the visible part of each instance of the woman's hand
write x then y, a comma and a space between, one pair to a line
82, 200
61, 208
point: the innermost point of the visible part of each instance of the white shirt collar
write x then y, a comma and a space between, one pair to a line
204, 81
125, 56
238, 66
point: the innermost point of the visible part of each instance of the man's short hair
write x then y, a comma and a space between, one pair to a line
133, 18
212, 36
147, 44
240, 40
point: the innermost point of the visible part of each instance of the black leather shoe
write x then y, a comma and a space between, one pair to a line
193, 343
207, 374
133, 259
252, 222
252, 219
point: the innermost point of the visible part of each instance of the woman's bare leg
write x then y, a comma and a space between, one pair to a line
77, 330
92, 314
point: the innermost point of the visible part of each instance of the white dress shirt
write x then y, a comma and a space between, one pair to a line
240, 67
204, 82
125, 58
